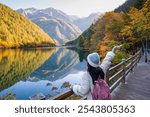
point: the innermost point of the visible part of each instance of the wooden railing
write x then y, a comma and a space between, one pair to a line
114, 75
121, 70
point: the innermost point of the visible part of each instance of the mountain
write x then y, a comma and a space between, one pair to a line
84, 23
17, 31
57, 24
73, 17
130, 3
113, 28
54, 22
60, 30
33, 13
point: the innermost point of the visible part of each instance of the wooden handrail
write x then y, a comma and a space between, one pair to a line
115, 75
129, 65
126, 66
62, 95
116, 66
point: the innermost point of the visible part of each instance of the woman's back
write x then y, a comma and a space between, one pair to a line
85, 87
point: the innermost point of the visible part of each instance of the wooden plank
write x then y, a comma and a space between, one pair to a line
115, 75
116, 67
129, 59
128, 66
134, 56
116, 84
63, 95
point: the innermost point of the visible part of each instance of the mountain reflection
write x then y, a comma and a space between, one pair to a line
57, 66
28, 72
15, 65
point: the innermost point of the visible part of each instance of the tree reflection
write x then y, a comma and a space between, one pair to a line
16, 65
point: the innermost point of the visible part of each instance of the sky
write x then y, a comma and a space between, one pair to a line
80, 8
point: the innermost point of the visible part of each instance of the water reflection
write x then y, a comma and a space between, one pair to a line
58, 65
27, 72
15, 65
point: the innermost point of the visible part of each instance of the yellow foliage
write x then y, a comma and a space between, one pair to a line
16, 30
16, 65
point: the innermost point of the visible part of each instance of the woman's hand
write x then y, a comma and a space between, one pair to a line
116, 48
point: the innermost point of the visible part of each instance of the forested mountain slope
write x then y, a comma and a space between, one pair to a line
127, 28
17, 31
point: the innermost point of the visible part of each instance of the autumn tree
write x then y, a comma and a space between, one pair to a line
138, 27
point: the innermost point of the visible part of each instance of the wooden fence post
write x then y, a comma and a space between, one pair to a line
132, 65
124, 69
138, 58
140, 55
107, 76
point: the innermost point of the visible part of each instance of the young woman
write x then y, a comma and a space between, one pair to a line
93, 71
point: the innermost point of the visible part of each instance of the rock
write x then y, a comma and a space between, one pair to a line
38, 96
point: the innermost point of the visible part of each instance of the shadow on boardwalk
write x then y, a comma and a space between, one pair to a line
137, 85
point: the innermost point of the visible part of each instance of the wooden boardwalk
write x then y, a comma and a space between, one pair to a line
137, 85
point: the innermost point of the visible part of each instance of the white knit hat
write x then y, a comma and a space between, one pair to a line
93, 59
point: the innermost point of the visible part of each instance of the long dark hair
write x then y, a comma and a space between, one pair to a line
95, 72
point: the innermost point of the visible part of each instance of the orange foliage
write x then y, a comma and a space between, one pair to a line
103, 48
107, 41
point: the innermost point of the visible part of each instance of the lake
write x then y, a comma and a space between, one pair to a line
25, 73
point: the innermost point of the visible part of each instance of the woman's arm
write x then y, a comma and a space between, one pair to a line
107, 60
83, 88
